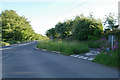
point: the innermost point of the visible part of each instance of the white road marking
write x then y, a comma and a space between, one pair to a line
88, 54
15, 45
58, 52
36, 48
98, 52
81, 57
71, 55
75, 56
53, 51
85, 58
5, 48
44, 49
90, 59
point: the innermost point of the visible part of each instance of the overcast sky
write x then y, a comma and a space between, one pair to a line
44, 14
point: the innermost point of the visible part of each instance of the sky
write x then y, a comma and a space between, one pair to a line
45, 14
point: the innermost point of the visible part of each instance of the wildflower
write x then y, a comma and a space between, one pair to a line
102, 47
101, 39
110, 54
98, 49
108, 49
115, 46
105, 53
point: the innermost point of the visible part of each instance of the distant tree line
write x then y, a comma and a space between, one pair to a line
81, 28
16, 29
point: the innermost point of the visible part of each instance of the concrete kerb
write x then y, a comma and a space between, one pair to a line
45, 50
76, 56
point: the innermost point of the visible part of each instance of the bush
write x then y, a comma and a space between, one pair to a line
87, 28
4, 44
66, 48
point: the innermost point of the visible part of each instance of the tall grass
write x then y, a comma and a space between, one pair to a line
95, 43
109, 60
109, 56
67, 48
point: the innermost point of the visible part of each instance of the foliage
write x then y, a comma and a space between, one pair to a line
66, 48
16, 28
0, 28
87, 28
109, 58
4, 43
110, 21
114, 32
64, 29
77, 29
61, 30
51, 33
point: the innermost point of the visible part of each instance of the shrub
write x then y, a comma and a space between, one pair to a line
87, 28
4, 44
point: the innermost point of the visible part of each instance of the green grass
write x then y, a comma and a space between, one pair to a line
108, 60
74, 47
111, 58
67, 48
95, 44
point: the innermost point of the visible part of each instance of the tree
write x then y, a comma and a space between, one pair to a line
0, 27
81, 28
87, 28
16, 28
110, 21
51, 33
64, 29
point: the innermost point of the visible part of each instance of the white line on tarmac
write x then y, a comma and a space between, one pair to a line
5, 48
16, 46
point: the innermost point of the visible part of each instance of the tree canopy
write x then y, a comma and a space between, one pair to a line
17, 28
81, 28
87, 28
110, 21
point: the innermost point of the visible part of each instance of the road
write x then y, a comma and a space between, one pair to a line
24, 61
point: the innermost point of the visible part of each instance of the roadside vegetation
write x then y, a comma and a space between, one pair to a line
74, 36
65, 47
82, 33
16, 29
110, 56
4, 43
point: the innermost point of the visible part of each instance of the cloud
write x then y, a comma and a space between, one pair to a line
37, 0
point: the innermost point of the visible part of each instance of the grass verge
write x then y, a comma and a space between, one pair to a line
109, 59
67, 48
95, 44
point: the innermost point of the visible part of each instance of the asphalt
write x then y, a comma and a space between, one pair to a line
24, 61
